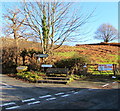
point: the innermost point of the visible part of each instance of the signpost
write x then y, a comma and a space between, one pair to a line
40, 60
40, 57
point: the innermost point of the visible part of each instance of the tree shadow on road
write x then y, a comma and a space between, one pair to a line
86, 99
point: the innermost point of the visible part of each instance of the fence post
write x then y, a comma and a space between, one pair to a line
114, 68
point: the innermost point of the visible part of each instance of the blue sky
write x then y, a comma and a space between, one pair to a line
106, 12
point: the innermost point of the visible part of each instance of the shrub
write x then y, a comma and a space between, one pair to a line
28, 55
23, 54
75, 64
8, 60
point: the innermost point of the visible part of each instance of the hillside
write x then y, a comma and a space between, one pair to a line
96, 53
9, 42
103, 43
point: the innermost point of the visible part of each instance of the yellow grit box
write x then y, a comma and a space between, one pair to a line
21, 68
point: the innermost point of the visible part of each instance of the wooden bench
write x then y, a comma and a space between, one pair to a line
57, 71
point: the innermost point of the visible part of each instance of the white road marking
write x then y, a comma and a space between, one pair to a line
50, 99
6, 85
65, 95
34, 102
114, 82
7, 104
105, 85
28, 100
14, 107
72, 91
45, 96
75, 93
59, 93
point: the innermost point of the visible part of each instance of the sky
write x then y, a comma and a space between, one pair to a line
105, 12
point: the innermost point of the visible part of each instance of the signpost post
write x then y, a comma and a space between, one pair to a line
40, 57
45, 66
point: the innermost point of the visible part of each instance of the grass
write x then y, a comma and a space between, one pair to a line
116, 56
65, 54
108, 61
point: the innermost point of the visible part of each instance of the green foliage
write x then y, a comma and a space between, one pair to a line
30, 76
45, 32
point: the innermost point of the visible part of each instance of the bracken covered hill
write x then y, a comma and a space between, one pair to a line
103, 43
97, 53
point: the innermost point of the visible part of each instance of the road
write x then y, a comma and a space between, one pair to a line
16, 94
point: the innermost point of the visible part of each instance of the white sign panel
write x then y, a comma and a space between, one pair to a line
46, 65
41, 55
105, 67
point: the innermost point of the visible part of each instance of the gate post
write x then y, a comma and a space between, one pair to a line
114, 69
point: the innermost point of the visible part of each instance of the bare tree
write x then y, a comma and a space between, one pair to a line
106, 32
14, 26
53, 23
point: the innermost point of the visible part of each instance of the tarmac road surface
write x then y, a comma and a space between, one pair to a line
16, 94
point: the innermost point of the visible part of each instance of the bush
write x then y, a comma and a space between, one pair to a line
28, 55
75, 64
9, 63
8, 60
23, 54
